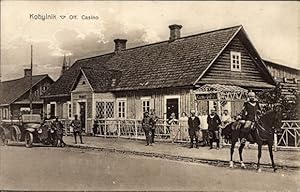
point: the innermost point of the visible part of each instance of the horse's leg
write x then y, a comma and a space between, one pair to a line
231, 153
259, 156
241, 154
271, 156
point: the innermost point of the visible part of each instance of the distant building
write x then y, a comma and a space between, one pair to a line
287, 77
202, 71
15, 95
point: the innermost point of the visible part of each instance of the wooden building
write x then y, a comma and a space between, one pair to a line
15, 95
210, 69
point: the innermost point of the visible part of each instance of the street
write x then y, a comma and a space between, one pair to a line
46, 168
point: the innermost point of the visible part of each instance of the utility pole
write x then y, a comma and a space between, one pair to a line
30, 93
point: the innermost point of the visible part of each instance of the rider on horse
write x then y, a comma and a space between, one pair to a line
251, 111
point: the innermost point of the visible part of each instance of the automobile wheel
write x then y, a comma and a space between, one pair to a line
28, 140
3, 138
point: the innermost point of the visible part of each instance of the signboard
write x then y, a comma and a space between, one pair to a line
206, 96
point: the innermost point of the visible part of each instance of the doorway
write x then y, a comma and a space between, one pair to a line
82, 113
172, 106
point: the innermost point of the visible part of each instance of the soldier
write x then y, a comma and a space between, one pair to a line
250, 112
60, 132
154, 120
147, 123
77, 129
194, 127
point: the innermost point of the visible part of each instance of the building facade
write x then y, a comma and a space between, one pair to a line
209, 70
15, 95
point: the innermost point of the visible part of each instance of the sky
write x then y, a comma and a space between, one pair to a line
273, 28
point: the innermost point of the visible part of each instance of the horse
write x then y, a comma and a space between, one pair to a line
262, 134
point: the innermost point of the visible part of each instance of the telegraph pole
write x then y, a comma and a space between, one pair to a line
30, 93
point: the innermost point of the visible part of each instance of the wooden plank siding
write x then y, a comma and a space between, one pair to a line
157, 101
220, 70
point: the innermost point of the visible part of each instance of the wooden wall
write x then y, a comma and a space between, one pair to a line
220, 71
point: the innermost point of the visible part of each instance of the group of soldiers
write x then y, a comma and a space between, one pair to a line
249, 114
77, 130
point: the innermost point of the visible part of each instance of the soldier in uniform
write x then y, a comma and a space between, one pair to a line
250, 112
194, 127
77, 129
147, 124
60, 132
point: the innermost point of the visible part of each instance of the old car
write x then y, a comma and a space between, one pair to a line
29, 129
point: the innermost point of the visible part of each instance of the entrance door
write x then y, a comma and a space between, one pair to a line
172, 107
82, 113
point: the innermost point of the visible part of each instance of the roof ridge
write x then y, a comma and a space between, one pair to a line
185, 37
23, 78
281, 65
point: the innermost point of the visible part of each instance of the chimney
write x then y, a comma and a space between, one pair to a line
174, 32
27, 72
120, 44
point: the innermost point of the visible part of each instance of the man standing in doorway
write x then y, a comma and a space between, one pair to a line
77, 129
194, 127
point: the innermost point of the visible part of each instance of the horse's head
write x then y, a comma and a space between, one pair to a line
277, 123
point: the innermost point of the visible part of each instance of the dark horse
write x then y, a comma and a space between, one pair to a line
262, 133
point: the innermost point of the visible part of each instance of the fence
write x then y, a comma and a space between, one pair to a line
177, 132
132, 128
290, 136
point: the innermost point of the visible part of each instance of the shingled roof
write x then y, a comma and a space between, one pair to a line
101, 79
14, 89
165, 64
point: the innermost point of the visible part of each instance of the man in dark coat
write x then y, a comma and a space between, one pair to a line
250, 112
77, 129
214, 122
147, 124
194, 127
154, 120
60, 132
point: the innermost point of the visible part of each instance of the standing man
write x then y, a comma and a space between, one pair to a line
204, 127
146, 125
60, 132
194, 127
77, 129
154, 120
213, 121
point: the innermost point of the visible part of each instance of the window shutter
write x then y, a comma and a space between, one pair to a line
48, 110
65, 111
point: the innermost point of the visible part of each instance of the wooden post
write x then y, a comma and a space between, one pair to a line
119, 128
275, 142
105, 128
135, 129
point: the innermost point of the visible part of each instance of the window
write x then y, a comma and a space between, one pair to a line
235, 60
104, 109
5, 113
146, 104
0, 113
69, 110
121, 108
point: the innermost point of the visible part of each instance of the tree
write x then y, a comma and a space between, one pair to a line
289, 104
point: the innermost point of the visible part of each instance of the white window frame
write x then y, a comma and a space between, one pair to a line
233, 61
55, 109
69, 112
106, 101
165, 104
124, 110
5, 113
146, 99
1, 114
